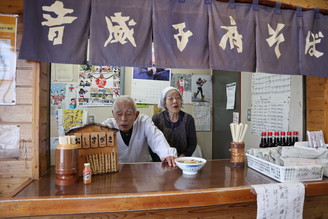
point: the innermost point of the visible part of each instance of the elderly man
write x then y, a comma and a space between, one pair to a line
137, 131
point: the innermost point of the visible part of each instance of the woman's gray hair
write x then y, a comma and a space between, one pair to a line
162, 100
124, 98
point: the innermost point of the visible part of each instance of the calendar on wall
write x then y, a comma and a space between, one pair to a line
148, 83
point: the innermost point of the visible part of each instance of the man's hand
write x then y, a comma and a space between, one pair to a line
170, 161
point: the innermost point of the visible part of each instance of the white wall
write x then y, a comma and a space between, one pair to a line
296, 107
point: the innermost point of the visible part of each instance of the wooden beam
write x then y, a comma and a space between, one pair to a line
11, 7
285, 4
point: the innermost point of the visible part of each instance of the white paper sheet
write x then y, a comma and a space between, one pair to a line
280, 200
270, 102
231, 94
8, 57
9, 141
202, 117
63, 72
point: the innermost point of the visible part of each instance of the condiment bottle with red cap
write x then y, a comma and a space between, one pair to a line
270, 140
289, 139
283, 139
276, 139
295, 136
263, 143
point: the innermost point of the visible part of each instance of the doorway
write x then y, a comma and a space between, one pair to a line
221, 116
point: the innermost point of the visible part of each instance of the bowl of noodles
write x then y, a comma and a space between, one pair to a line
190, 165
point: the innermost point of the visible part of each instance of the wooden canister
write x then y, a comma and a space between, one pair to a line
66, 164
237, 154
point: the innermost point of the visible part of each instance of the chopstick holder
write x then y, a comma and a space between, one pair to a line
237, 146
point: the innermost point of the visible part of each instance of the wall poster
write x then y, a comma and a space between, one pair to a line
64, 95
70, 118
8, 31
99, 85
183, 83
202, 88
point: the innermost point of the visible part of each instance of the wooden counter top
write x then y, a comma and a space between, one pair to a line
142, 187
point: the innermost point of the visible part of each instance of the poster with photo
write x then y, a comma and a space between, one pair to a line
63, 95
58, 94
71, 96
98, 85
183, 83
202, 88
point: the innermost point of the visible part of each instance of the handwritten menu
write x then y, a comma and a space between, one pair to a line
280, 200
270, 102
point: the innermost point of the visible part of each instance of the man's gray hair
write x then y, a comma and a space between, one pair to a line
124, 98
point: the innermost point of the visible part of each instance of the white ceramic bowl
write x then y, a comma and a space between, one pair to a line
190, 165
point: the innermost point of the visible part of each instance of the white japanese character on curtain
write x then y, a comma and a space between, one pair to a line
120, 32
56, 32
235, 39
181, 37
275, 38
310, 45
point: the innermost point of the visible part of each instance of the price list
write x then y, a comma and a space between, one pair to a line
270, 102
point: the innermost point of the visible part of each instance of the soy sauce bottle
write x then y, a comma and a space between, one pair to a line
289, 139
263, 143
270, 140
295, 136
276, 139
283, 139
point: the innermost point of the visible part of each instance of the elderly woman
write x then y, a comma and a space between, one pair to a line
177, 126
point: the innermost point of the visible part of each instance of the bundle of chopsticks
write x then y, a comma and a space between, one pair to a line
238, 131
67, 139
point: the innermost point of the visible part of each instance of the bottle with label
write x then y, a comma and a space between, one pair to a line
270, 140
289, 141
263, 143
276, 139
87, 173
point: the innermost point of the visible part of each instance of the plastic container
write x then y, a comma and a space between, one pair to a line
285, 174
